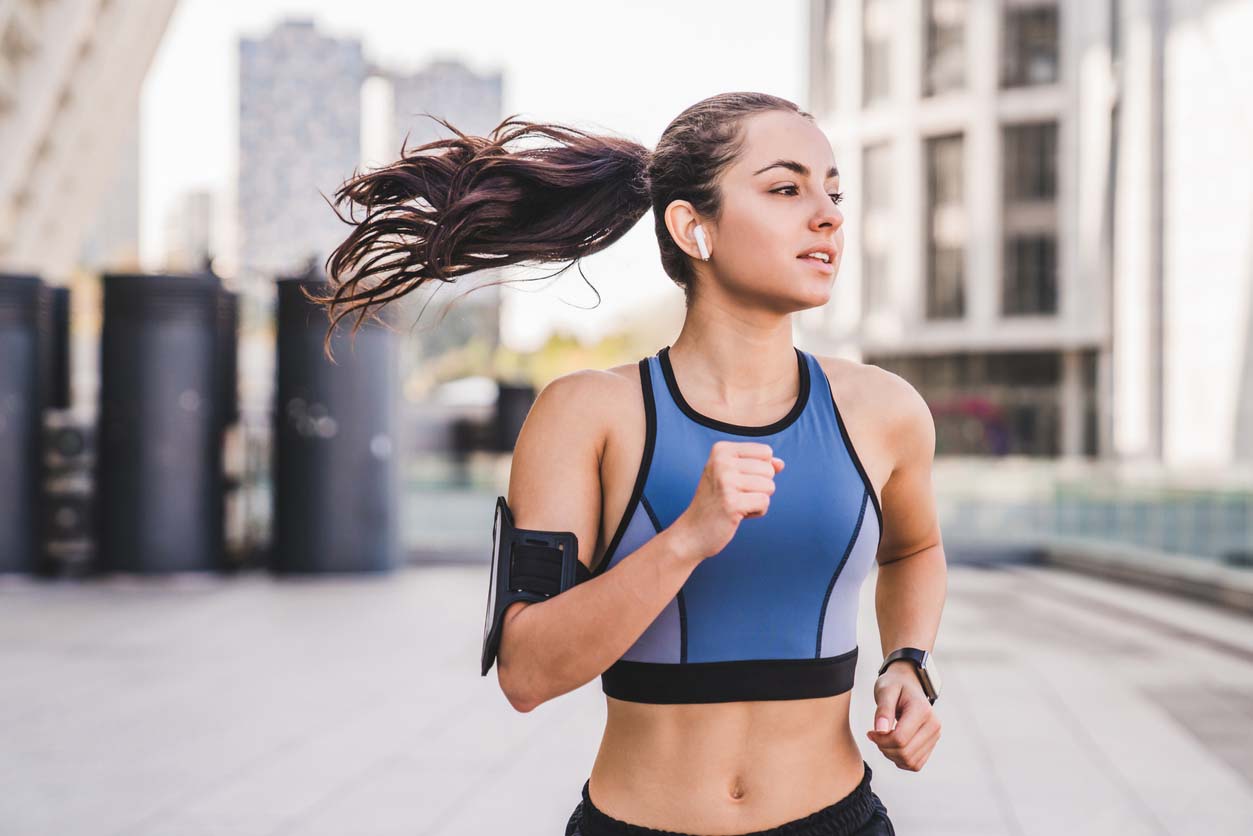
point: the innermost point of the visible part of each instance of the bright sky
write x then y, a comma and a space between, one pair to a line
625, 68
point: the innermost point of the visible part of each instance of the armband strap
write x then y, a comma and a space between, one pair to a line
538, 569
527, 565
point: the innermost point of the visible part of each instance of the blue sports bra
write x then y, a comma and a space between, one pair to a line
773, 616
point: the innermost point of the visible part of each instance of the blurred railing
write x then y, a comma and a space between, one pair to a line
1007, 502
1021, 502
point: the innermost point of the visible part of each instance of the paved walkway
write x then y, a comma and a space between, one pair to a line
354, 706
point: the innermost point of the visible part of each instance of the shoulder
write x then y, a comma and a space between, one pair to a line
586, 399
896, 405
590, 389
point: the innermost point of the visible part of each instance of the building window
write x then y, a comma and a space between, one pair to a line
945, 62
1030, 153
946, 229
1030, 275
1029, 46
989, 404
1029, 266
876, 41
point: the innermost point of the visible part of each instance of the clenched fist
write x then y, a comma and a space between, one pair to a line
737, 482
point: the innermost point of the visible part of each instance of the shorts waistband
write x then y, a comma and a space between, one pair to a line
838, 819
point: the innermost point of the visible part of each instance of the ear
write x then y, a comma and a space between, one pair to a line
682, 220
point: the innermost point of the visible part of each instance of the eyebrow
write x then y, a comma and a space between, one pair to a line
792, 165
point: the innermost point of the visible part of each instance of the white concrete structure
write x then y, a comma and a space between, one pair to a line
70, 78
1009, 168
113, 239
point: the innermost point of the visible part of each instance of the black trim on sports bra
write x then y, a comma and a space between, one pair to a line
802, 398
734, 681
641, 475
852, 454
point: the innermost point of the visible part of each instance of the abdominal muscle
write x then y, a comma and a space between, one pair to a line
724, 768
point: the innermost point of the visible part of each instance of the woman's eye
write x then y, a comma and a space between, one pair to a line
838, 197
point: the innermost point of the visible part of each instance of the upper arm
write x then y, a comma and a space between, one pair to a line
554, 478
910, 523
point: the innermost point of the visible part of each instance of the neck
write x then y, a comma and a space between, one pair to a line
736, 365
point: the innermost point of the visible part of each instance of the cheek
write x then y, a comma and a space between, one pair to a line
755, 239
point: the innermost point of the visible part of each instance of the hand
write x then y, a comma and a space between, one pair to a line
737, 482
899, 697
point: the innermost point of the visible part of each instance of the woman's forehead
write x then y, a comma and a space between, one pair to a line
787, 143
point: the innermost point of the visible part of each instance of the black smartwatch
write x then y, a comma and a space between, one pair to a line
924, 666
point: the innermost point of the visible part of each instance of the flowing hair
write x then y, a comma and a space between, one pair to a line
467, 203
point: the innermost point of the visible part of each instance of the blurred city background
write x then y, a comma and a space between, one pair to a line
241, 588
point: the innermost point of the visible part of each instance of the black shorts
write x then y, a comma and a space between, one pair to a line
860, 813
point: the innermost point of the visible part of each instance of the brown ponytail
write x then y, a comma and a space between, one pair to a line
457, 205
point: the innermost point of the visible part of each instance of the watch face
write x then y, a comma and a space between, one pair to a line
933, 674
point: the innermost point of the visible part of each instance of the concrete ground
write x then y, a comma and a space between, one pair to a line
202, 706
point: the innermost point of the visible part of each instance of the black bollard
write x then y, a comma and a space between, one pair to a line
25, 318
336, 490
159, 463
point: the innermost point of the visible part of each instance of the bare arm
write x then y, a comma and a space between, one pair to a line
913, 576
555, 646
910, 590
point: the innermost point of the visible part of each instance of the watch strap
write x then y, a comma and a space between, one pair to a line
918, 658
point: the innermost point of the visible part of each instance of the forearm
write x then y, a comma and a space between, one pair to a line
554, 646
909, 597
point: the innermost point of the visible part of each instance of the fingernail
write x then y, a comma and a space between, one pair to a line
881, 724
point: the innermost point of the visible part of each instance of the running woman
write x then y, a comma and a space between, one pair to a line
729, 493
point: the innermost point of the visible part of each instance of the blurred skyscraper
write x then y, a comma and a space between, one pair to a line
1049, 218
70, 78
189, 232
447, 89
299, 134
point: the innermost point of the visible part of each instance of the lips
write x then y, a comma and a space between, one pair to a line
824, 267
828, 249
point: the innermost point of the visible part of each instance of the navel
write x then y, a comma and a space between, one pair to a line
737, 790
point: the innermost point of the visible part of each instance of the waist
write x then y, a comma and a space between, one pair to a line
698, 768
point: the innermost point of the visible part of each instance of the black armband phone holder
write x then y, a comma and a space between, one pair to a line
527, 565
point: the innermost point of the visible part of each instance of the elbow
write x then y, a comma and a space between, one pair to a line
521, 701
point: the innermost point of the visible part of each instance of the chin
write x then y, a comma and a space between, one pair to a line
804, 302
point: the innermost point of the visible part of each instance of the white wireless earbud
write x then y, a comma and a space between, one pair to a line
700, 242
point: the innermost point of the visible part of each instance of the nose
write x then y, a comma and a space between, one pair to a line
828, 215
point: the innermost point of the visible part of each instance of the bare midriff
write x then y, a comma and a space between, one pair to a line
724, 768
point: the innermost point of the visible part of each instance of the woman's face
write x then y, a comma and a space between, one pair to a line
771, 214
